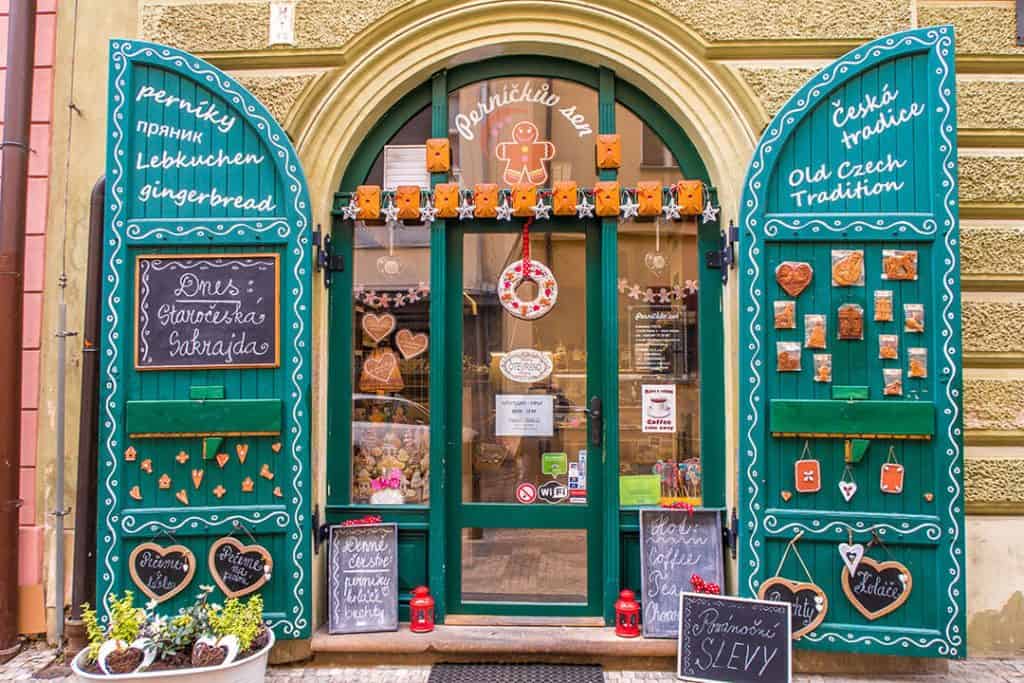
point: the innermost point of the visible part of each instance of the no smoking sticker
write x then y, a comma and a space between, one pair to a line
526, 493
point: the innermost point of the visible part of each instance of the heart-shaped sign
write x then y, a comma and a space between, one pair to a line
377, 327
848, 489
239, 569
222, 459
877, 588
851, 555
794, 276
380, 372
411, 345
161, 573
808, 601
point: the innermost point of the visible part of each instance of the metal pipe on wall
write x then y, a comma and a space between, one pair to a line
14, 169
83, 580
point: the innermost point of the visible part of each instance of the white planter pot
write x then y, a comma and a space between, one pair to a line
252, 669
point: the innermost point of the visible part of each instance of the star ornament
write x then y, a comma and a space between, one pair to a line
671, 210
390, 212
504, 211
428, 213
629, 208
584, 209
710, 213
541, 210
351, 212
466, 210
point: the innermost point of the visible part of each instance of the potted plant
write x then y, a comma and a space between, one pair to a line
203, 642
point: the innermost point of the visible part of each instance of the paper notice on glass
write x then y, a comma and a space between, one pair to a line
659, 408
524, 415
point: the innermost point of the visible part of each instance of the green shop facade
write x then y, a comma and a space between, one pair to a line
515, 452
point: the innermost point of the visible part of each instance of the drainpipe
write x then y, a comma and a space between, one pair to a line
14, 169
83, 581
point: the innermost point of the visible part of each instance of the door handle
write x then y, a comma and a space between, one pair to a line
596, 421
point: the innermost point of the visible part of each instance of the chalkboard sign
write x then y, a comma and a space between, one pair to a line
161, 573
733, 640
207, 311
675, 545
363, 578
239, 569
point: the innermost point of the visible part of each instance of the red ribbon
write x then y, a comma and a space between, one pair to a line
526, 248
368, 519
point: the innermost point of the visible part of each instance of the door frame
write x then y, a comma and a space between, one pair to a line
512, 515
423, 526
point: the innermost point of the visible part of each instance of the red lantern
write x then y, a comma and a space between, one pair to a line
421, 611
627, 615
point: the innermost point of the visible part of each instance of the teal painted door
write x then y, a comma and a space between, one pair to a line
850, 380
525, 480
206, 332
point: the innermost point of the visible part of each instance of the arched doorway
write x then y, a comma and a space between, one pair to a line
445, 418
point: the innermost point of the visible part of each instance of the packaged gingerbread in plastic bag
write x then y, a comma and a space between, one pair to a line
814, 331
785, 315
883, 306
892, 379
898, 264
888, 346
787, 356
847, 267
851, 322
918, 362
913, 317
823, 367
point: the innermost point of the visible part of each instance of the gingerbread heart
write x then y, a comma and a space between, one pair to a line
276, 446
197, 478
222, 459
377, 327
794, 276
242, 450
182, 496
411, 345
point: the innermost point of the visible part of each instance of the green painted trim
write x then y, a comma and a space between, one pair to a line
521, 65
897, 418
340, 369
851, 393
204, 393
447, 311
710, 332
203, 417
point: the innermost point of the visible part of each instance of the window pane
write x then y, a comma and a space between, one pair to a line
531, 431
391, 404
522, 129
659, 374
524, 565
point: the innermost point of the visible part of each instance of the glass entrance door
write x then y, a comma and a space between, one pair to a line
524, 488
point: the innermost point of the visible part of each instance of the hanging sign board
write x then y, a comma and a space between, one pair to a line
733, 640
363, 578
849, 268
675, 545
199, 311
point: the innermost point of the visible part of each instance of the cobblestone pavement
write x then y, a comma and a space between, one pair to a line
35, 658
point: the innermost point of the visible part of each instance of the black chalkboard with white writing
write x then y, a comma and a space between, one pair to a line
207, 311
675, 545
733, 640
362, 580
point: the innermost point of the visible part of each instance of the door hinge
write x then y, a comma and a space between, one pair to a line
327, 260
724, 257
731, 533
320, 531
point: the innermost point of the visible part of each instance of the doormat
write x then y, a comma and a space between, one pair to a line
515, 673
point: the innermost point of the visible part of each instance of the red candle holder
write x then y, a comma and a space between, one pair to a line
627, 615
421, 611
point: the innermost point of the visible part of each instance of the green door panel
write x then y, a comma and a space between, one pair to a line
862, 158
196, 165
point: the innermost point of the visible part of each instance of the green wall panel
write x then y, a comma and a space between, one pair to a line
863, 157
180, 133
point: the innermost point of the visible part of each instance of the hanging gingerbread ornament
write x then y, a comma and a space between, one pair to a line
891, 479
523, 270
847, 486
807, 472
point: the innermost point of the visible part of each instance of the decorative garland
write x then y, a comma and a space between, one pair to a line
664, 295
375, 299
628, 208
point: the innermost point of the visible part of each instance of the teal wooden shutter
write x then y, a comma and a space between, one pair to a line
198, 169
863, 158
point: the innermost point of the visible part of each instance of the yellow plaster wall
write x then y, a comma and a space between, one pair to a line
720, 67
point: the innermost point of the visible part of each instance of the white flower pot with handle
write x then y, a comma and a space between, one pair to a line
251, 669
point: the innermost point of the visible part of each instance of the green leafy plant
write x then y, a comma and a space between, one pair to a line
93, 630
126, 622
175, 635
242, 620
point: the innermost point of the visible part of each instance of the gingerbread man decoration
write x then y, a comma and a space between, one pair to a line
524, 157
